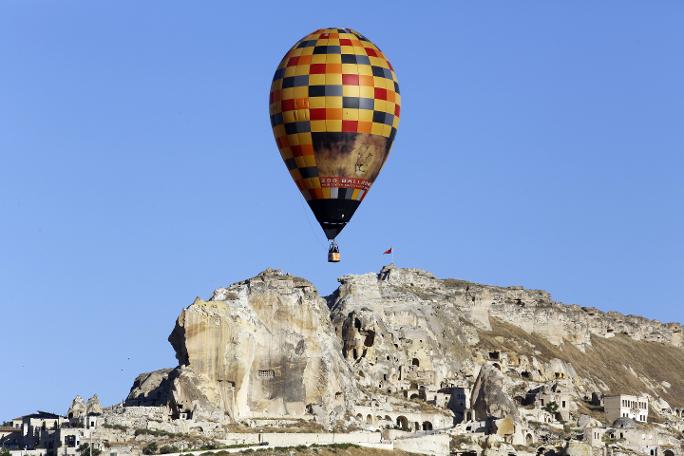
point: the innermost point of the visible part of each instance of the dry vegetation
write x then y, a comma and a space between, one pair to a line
338, 450
299, 426
595, 412
608, 360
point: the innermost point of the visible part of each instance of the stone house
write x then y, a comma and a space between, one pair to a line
633, 436
626, 406
68, 440
545, 397
10, 437
594, 436
31, 431
457, 399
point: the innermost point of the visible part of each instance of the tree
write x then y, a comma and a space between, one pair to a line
5, 452
150, 448
84, 450
552, 408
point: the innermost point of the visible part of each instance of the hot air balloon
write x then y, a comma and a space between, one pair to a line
334, 107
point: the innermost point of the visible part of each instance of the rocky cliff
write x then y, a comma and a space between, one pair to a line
388, 347
263, 348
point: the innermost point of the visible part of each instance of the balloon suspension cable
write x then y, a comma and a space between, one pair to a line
333, 246
307, 215
333, 252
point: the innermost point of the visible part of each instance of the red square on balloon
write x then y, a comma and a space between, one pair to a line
350, 79
350, 125
317, 68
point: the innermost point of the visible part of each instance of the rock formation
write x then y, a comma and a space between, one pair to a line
77, 409
262, 348
407, 350
489, 400
93, 406
150, 388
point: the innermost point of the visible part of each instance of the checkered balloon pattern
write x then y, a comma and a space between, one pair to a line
334, 107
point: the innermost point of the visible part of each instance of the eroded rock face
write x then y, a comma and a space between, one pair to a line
400, 341
399, 332
77, 409
93, 406
150, 389
260, 348
489, 400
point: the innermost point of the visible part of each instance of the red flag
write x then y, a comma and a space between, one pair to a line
388, 251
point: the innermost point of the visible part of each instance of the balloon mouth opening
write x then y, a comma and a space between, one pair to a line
333, 214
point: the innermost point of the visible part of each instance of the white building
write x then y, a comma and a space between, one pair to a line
626, 406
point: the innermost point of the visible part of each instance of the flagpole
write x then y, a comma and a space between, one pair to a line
390, 252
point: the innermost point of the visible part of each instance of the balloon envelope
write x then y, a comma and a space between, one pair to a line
334, 106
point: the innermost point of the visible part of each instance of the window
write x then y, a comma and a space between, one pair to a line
268, 373
563, 404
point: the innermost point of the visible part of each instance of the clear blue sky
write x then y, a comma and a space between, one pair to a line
541, 144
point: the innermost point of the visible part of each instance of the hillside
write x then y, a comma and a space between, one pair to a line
402, 359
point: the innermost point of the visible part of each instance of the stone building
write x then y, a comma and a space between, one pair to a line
626, 406
593, 435
632, 436
456, 399
10, 436
554, 399
31, 431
